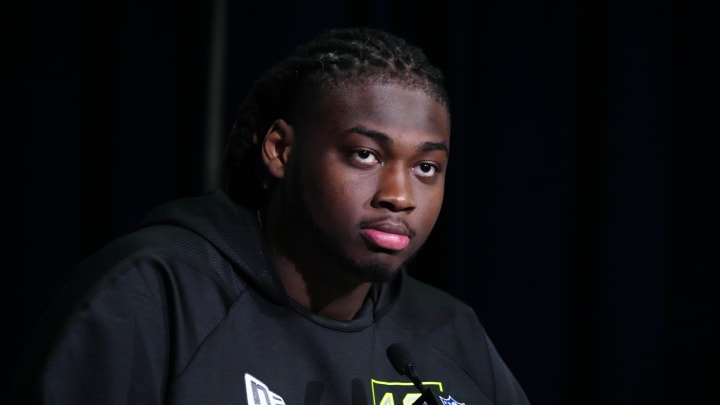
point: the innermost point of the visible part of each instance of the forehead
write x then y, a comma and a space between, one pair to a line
386, 107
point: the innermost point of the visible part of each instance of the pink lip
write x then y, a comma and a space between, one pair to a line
387, 240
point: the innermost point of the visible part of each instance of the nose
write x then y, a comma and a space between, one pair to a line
394, 191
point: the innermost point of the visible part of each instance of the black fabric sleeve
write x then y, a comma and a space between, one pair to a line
113, 350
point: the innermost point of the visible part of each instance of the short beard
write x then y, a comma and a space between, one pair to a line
373, 272
369, 272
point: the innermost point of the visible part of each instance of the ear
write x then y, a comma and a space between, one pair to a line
276, 147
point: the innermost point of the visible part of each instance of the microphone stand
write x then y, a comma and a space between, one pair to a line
401, 361
426, 398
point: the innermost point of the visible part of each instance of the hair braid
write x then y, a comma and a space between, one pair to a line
334, 57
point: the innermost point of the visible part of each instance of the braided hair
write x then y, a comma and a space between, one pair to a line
332, 58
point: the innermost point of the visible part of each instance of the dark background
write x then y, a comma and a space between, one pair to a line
579, 197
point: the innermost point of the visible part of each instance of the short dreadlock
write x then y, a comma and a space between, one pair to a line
334, 57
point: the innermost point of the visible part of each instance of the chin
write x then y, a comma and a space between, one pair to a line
378, 268
374, 272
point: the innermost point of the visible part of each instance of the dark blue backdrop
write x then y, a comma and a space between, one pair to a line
578, 191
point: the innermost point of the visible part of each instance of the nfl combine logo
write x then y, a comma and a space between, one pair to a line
450, 401
398, 393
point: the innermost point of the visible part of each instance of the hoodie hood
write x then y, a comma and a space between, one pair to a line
231, 229
236, 233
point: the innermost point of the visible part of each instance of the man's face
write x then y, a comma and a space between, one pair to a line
367, 174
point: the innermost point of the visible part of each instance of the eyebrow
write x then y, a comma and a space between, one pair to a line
384, 138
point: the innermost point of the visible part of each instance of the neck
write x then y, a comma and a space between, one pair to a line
319, 293
308, 276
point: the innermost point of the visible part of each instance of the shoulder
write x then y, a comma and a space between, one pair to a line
148, 274
182, 240
153, 284
150, 260
451, 327
171, 261
422, 307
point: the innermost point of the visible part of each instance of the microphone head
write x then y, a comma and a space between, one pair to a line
399, 358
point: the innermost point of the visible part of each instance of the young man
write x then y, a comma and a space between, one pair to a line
288, 285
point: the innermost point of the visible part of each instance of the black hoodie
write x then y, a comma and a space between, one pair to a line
185, 310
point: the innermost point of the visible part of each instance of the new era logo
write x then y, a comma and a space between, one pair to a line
259, 394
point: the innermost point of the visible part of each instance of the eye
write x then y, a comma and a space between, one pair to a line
365, 157
426, 169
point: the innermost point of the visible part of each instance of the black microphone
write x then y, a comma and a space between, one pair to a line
402, 362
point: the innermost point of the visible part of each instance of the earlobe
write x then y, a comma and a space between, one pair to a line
276, 147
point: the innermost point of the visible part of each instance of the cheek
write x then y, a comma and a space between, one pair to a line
432, 206
331, 192
348, 198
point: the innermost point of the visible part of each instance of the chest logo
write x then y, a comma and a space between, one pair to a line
400, 393
450, 401
259, 394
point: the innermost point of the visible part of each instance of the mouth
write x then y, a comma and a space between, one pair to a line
393, 236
